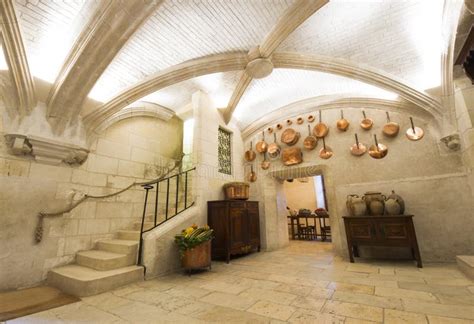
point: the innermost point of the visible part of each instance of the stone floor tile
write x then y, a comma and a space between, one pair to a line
269, 309
364, 268
387, 271
270, 295
449, 282
447, 320
229, 300
350, 320
305, 316
392, 316
309, 303
318, 292
457, 311
122, 291
471, 289
105, 301
133, 312
377, 301
371, 282
405, 278
353, 310
188, 291
435, 289
37, 318
223, 287
342, 286
404, 293
294, 289
218, 314
454, 300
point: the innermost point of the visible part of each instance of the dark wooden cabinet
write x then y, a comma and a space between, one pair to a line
381, 231
236, 227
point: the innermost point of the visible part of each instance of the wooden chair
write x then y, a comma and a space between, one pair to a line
325, 228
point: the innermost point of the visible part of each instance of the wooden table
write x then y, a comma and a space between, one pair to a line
295, 220
390, 231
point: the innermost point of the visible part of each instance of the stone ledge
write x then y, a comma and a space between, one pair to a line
466, 265
46, 150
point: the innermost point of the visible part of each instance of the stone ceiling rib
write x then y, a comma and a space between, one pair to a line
113, 23
180, 72
15, 56
291, 19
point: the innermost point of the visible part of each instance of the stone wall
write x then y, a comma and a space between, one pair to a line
131, 150
433, 181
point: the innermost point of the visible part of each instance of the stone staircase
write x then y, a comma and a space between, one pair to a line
110, 265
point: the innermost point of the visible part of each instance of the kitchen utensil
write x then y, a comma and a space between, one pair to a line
273, 149
358, 148
342, 124
366, 123
299, 120
262, 146
279, 126
326, 151
290, 136
321, 129
378, 151
375, 202
391, 128
291, 156
289, 122
270, 130
310, 118
414, 133
265, 163
310, 142
356, 206
252, 175
250, 154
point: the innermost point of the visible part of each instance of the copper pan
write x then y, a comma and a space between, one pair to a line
310, 142
414, 133
378, 151
279, 126
358, 148
326, 151
291, 156
300, 120
250, 155
262, 146
290, 136
391, 128
252, 175
265, 163
273, 149
321, 129
366, 123
310, 118
289, 122
270, 130
342, 124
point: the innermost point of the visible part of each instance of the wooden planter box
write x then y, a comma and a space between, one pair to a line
198, 257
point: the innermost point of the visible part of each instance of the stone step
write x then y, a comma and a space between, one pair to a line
128, 247
103, 260
128, 235
83, 281
146, 225
466, 265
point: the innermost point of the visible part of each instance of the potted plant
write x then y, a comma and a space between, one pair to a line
194, 245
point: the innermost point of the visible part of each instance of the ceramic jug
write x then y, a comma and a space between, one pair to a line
356, 206
394, 205
375, 202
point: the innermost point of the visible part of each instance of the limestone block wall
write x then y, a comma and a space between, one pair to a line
131, 150
433, 181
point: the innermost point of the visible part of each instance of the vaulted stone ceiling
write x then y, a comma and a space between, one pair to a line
398, 38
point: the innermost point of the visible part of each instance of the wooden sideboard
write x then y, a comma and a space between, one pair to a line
390, 231
236, 227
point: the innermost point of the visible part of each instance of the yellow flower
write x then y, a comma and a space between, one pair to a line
194, 226
188, 231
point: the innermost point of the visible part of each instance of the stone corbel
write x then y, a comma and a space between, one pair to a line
452, 142
45, 150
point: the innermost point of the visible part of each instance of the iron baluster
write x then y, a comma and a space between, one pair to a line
177, 195
186, 190
167, 197
156, 200
147, 188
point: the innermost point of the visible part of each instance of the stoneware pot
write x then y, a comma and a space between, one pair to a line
375, 202
392, 207
399, 200
356, 206
197, 258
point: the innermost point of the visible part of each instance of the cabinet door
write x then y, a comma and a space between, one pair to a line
361, 230
254, 225
393, 230
238, 227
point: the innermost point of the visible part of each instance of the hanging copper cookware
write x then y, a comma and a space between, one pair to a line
290, 136
310, 142
414, 133
273, 149
326, 151
291, 156
310, 118
289, 122
378, 151
250, 155
279, 126
252, 175
321, 129
270, 130
300, 120
391, 128
265, 163
342, 124
366, 123
358, 148
262, 146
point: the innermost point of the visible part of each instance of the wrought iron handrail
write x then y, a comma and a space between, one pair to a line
148, 186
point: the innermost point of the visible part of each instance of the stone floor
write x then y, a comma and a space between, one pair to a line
303, 283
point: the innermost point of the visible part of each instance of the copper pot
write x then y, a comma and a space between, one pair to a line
265, 163
289, 122
262, 146
236, 191
310, 118
252, 175
310, 142
250, 155
198, 257
290, 136
270, 130
391, 128
342, 124
292, 156
414, 133
279, 126
326, 151
366, 123
358, 149
321, 129
299, 120
378, 151
273, 149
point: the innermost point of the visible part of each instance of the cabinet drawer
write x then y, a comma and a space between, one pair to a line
361, 230
394, 231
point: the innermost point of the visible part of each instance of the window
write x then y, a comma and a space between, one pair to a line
224, 151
